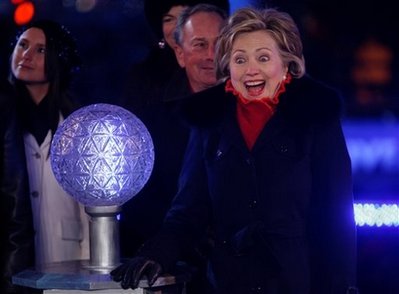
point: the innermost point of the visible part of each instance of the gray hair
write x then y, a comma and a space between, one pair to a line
190, 11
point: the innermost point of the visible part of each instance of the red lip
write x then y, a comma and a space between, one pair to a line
23, 65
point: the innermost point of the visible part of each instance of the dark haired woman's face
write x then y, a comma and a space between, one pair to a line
169, 21
28, 57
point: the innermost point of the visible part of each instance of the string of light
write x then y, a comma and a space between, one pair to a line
376, 214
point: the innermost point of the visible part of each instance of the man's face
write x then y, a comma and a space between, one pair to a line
197, 51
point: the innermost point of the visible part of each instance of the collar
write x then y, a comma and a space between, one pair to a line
272, 102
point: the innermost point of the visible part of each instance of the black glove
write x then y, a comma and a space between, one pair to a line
131, 272
352, 290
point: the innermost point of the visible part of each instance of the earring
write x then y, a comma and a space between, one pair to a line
161, 44
284, 77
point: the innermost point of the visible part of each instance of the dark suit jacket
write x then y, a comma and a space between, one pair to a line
143, 215
282, 214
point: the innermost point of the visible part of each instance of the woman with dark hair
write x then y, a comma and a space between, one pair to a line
43, 62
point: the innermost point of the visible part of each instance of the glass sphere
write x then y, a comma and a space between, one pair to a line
102, 155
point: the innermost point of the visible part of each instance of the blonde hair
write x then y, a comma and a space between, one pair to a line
279, 25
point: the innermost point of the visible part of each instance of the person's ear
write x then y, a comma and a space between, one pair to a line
286, 72
180, 56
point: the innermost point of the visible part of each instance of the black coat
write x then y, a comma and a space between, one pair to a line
16, 233
153, 86
281, 214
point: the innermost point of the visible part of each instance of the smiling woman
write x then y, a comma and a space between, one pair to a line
266, 171
256, 68
43, 62
28, 58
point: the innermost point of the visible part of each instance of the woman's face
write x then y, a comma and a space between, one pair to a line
169, 21
256, 67
28, 57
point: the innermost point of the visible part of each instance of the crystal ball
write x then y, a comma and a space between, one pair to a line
102, 155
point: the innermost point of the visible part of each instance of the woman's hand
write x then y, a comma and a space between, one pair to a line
131, 272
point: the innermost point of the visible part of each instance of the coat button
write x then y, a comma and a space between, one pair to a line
35, 194
252, 204
283, 148
37, 155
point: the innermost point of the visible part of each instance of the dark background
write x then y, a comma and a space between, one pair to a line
114, 35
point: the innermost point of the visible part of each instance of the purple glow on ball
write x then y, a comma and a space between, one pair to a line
102, 155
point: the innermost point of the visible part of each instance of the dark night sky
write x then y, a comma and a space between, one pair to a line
114, 35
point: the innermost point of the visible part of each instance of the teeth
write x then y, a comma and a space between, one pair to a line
253, 84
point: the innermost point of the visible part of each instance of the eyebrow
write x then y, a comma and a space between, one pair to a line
29, 41
22, 39
264, 48
199, 39
257, 50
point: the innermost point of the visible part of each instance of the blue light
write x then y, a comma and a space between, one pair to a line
373, 146
235, 4
102, 155
376, 215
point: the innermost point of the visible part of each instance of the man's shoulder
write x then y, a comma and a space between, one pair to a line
204, 107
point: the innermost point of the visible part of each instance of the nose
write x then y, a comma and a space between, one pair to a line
252, 68
210, 51
27, 53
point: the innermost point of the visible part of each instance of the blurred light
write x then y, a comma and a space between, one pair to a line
235, 4
369, 154
373, 146
24, 13
85, 5
376, 215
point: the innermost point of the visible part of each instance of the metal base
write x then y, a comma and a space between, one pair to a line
104, 237
129, 291
75, 276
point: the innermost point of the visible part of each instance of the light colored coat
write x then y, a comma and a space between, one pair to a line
60, 222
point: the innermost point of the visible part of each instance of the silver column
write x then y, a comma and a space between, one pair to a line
104, 237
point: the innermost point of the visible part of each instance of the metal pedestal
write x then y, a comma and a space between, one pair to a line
76, 277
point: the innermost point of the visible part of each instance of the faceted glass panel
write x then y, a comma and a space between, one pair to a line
102, 155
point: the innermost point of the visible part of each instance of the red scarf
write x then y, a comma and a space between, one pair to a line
253, 114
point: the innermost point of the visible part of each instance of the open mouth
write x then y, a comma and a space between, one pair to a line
255, 88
